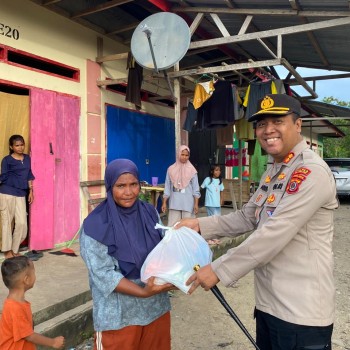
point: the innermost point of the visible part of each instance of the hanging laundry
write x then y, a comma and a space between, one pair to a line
224, 136
280, 86
244, 156
202, 92
218, 111
228, 157
235, 155
135, 77
244, 130
256, 91
191, 117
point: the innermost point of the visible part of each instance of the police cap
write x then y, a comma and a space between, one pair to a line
275, 105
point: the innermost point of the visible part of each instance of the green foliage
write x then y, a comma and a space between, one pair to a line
146, 197
338, 147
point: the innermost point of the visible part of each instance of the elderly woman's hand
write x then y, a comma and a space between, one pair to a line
152, 288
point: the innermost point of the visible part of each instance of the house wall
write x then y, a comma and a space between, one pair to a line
53, 37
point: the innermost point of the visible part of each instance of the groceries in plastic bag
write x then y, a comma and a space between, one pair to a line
175, 256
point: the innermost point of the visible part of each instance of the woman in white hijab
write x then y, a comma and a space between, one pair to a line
181, 188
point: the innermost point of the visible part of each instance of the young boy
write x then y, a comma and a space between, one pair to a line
16, 323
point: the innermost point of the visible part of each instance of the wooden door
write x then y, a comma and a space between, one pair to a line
66, 185
43, 141
55, 162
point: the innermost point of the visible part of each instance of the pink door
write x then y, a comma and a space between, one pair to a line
54, 132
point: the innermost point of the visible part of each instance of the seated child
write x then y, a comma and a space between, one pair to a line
16, 322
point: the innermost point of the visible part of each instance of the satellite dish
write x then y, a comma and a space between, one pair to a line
160, 41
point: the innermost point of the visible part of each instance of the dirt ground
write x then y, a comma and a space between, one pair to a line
200, 321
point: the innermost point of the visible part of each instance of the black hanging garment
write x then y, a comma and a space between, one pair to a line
135, 77
218, 110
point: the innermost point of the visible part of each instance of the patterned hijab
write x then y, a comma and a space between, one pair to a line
128, 233
181, 173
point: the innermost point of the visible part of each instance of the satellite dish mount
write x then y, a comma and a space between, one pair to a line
168, 39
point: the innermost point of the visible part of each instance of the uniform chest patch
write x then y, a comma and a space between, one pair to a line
297, 179
258, 198
277, 186
281, 176
271, 198
264, 188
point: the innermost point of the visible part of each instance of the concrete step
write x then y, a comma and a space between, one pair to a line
75, 325
61, 307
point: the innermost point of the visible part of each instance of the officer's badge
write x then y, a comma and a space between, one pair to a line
297, 179
267, 102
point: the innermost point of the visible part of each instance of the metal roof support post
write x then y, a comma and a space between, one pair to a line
177, 108
240, 181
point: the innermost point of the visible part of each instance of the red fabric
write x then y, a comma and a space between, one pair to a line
156, 335
16, 324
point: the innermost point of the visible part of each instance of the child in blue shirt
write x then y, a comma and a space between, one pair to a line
214, 191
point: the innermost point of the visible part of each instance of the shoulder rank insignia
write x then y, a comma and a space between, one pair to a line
297, 179
267, 179
288, 158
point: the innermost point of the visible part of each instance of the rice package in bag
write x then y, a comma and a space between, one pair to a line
175, 256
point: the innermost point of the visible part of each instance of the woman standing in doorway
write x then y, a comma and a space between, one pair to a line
16, 183
181, 188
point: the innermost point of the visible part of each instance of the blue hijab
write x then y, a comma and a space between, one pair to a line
128, 233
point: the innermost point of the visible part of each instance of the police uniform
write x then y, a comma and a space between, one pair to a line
290, 249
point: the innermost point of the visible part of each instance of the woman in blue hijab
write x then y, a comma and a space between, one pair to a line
116, 238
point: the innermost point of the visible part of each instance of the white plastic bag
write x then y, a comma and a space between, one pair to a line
175, 256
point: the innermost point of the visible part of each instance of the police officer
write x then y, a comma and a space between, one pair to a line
290, 249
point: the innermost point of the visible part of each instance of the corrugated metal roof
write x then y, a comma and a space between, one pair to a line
294, 33
325, 48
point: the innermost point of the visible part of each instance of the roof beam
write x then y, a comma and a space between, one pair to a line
262, 12
245, 25
118, 56
237, 72
272, 32
299, 78
196, 22
321, 77
50, 2
111, 81
229, 67
220, 25
247, 65
124, 29
101, 7
215, 60
295, 6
